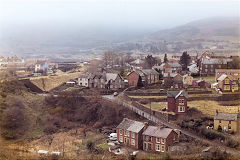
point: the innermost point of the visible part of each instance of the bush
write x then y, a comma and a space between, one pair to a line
211, 134
90, 146
231, 143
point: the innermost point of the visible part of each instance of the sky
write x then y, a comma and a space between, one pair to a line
125, 14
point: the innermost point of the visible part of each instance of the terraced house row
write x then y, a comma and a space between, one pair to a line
140, 135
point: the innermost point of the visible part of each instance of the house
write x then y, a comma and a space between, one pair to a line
209, 65
142, 77
177, 101
83, 80
176, 67
41, 66
227, 83
149, 76
233, 72
129, 132
134, 79
187, 80
158, 139
229, 122
165, 68
173, 80
137, 64
114, 81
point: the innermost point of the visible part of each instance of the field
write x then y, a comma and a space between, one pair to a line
210, 107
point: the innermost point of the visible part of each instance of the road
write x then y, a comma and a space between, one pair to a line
155, 119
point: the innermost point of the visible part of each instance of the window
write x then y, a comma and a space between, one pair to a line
144, 146
226, 87
157, 140
121, 139
229, 122
220, 121
226, 81
133, 142
181, 109
206, 70
163, 148
133, 135
235, 87
120, 131
150, 139
181, 101
127, 133
157, 148
235, 74
163, 141
206, 66
149, 146
229, 127
211, 65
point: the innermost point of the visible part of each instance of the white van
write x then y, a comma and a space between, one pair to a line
113, 136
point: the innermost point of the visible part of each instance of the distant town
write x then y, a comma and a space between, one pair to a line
184, 105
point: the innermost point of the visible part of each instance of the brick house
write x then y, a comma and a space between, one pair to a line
229, 122
129, 132
233, 72
158, 139
209, 65
142, 77
173, 80
177, 101
133, 79
227, 83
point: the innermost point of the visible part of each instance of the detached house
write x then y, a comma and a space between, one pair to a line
144, 77
173, 80
187, 80
158, 139
129, 132
228, 83
229, 122
41, 66
233, 72
177, 101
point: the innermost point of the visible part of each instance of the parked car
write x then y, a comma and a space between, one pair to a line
115, 93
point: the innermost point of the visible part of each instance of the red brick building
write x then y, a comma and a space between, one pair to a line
177, 101
129, 132
133, 79
158, 139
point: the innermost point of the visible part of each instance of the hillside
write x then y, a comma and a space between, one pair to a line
202, 29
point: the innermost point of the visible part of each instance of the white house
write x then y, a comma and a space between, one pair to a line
187, 80
41, 66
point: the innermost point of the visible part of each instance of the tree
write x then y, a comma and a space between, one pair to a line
185, 60
13, 121
165, 58
150, 61
235, 64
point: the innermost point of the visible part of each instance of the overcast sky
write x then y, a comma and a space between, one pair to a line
129, 14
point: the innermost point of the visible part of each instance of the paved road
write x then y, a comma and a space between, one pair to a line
158, 120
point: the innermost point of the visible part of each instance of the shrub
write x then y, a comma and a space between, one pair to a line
90, 146
231, 143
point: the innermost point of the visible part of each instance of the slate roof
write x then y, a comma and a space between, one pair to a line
175, 64
226, 116
157, 131
222, 77
176, 94
216, 61
111, 76
131, 125
149, 71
